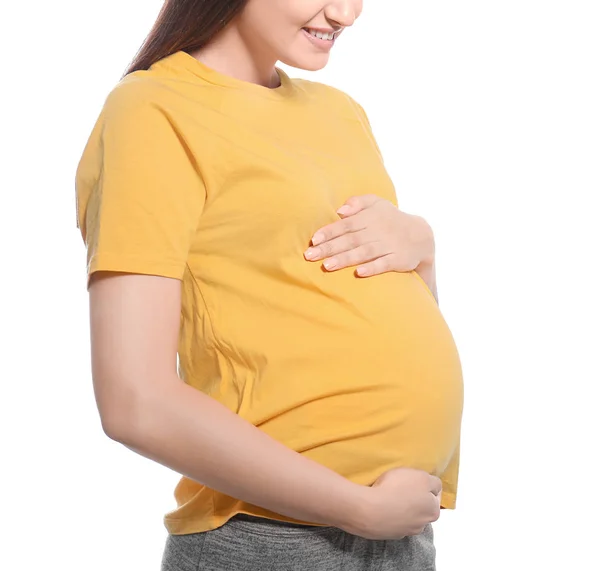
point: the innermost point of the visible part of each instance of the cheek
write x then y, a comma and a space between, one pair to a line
273, 30
261, 18
289, 42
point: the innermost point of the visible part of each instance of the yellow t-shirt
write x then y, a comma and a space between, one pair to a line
221, 183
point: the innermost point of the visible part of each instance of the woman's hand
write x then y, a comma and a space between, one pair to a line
375, 236
401, 502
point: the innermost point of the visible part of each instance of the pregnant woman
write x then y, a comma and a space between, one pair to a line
245, 221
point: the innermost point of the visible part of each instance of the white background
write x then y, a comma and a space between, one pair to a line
488, 114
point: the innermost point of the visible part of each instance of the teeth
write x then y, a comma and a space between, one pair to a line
321, 35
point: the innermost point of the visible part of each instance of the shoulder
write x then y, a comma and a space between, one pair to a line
333, 96
133, 114
133, 97
317, 88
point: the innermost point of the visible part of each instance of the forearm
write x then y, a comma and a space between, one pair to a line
425, 241
191, 433
427, 271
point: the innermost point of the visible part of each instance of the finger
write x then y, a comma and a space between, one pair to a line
336, 246
364, 253
338, 228
381, 265
436, 511
435, 485
357, 203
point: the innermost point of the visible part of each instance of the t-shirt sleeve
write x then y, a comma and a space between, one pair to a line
364, 120
139, 191
366, 126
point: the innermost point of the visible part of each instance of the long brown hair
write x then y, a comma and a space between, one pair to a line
184, 25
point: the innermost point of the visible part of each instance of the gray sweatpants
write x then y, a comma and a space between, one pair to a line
247, 543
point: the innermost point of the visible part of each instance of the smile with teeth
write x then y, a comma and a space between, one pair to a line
322, 35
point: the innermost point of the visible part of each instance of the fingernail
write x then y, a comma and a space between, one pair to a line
361, 271
317, 239
343, 209
330, 264
311, 253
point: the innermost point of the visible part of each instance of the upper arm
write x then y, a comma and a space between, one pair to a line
134, 329
139, 201
139, 190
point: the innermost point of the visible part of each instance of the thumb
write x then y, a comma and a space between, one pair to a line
355, 204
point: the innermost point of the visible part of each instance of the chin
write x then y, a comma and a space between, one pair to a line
307, 63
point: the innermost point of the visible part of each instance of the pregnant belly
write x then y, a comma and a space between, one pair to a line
383, 388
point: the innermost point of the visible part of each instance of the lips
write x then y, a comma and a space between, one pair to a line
328, 35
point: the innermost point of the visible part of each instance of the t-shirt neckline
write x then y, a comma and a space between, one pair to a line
182, 59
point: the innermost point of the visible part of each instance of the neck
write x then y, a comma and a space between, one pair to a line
230, 55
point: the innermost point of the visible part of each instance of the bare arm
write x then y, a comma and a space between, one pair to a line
427, 272
426, 269
145, 406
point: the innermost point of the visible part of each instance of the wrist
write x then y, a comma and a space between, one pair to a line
423, 238
355, 512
